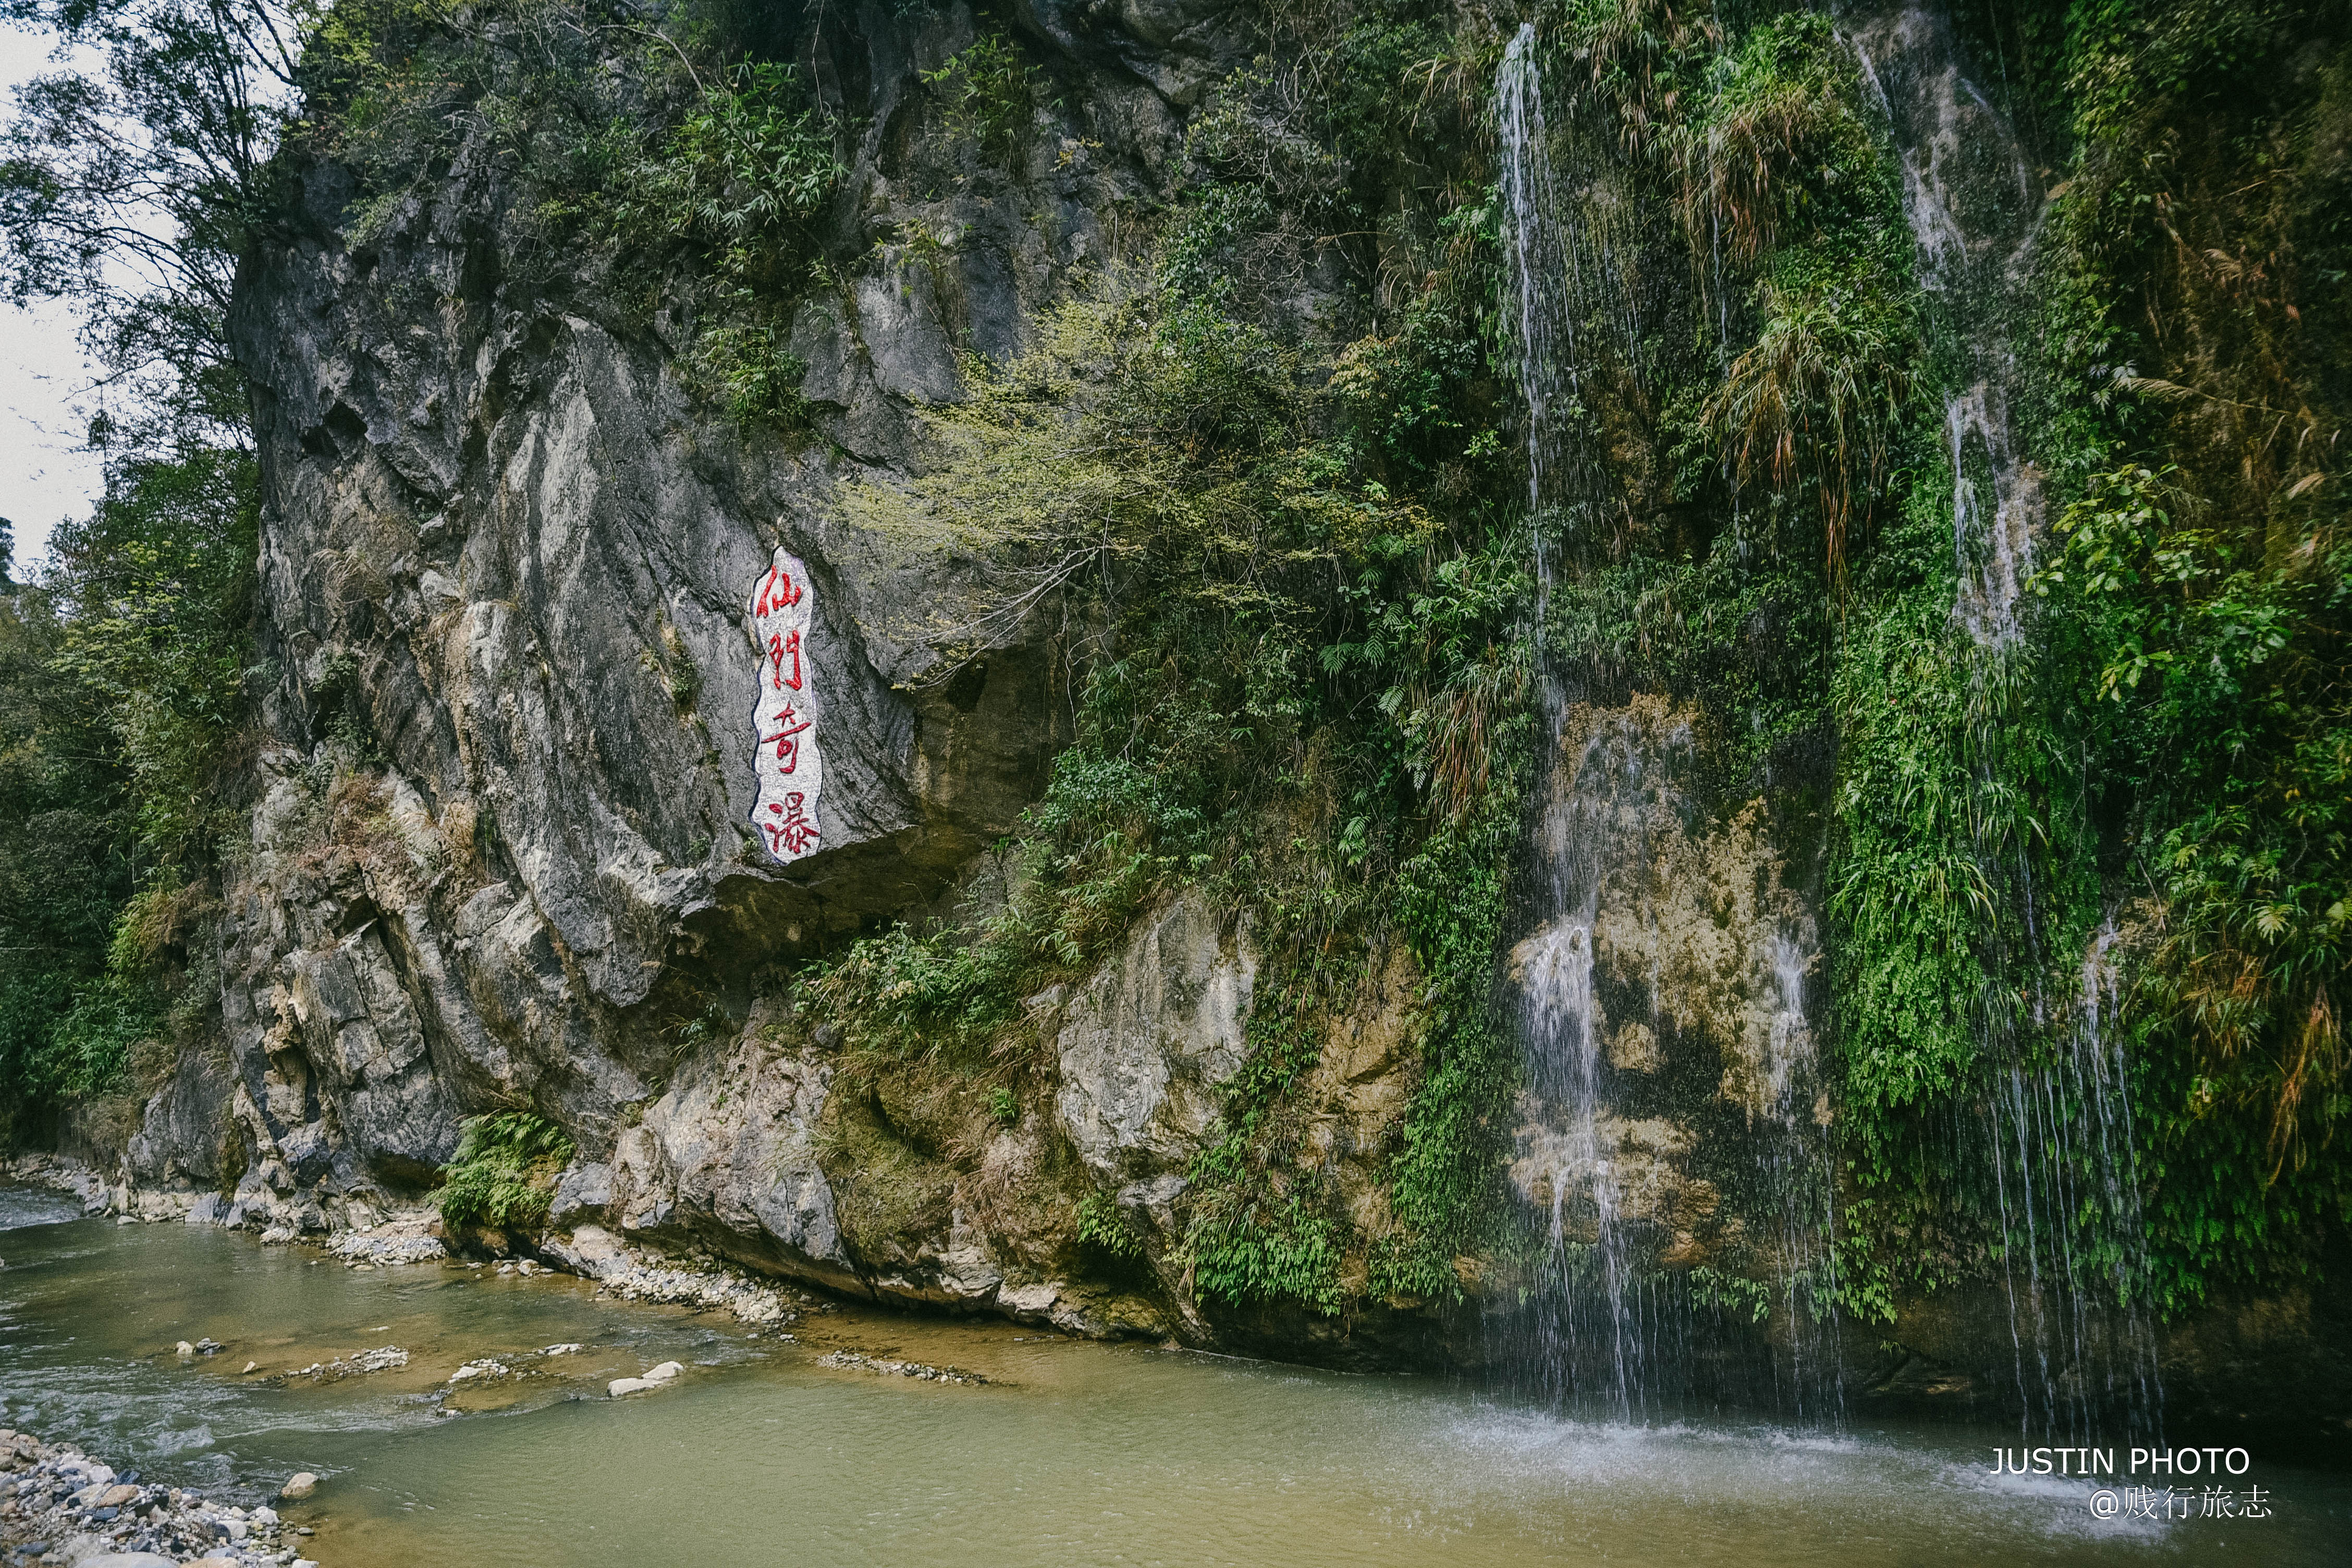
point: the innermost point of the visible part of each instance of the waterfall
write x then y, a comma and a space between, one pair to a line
1569, 302
1592, 1326
1669, 1217
1975, 211
1537, 262
1589, 1323
2054, 1133
2073, 1236
1650, 1274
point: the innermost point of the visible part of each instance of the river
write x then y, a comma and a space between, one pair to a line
1072, 1452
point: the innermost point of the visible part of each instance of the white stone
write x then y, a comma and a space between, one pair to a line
784, 755
663, 1372
298, 1485
621, 1385
1029, 1301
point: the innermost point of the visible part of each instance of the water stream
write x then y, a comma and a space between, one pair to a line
2054, 1128
1975, 211
1616, 1319
1076, 1452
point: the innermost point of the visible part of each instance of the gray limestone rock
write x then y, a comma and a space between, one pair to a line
1149, 1039
501, 809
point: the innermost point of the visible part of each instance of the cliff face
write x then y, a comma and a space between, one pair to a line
519, 570
601, 718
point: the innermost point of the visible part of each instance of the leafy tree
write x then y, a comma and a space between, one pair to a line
130, 186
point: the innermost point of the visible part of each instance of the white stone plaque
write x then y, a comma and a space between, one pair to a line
784, 753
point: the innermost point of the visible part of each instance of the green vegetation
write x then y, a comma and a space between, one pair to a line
1307, 693
121, 702
504, 1170
646, 165
991, 93
2166, 748
2205, 591
1317, 713
1101, 1224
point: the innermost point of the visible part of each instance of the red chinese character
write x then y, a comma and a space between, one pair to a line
777, 592
795, 832
787, 740
778, 646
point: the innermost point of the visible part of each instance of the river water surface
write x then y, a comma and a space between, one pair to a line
1072, 1453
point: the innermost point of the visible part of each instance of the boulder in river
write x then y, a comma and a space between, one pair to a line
298, 1485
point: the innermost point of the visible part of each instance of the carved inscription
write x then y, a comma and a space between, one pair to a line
784, 755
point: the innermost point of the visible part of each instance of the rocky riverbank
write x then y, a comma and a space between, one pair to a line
396, 1238
58, 1505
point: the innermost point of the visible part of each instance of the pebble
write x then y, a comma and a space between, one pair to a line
63, 1505
914, 1368
750, 1302
487, 1367
385, 1358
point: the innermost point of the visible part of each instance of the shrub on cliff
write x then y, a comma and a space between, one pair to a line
504, 1172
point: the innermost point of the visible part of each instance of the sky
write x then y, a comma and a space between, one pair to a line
44, 476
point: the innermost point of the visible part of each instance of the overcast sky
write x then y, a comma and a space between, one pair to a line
44, 474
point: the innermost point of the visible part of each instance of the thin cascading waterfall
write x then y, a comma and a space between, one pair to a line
2072, 1234
1590, 1324
2054, 1120
1975, 211
1800, 1166
1538, 263
1590, 1315
1644, 1300
1615, 1321
1569, 303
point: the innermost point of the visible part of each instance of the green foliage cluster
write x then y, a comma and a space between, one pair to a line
121, 703
991, 92
2197, 340
504, 1171
1313, 706
1102, 1224
2165, 748
1750, 457
2168, 745
641, 161
134, 175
